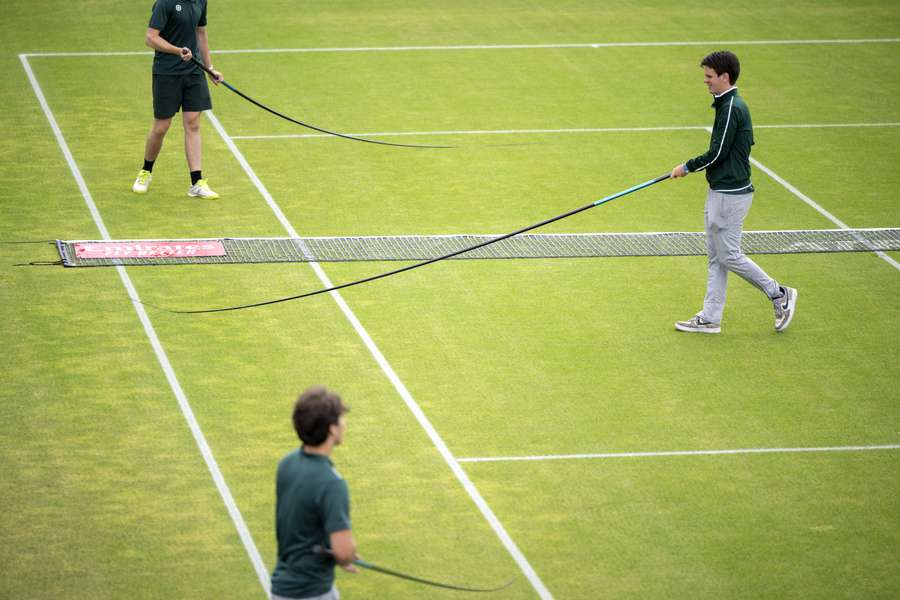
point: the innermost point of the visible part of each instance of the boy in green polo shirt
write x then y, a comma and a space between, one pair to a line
727, 166
177, 31
312, 506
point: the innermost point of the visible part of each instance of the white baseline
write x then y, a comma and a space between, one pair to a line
679, 453
592, 45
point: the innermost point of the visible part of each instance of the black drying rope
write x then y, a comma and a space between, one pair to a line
449, 586
301, 123
426, 262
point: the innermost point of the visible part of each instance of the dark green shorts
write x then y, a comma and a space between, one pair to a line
173, 92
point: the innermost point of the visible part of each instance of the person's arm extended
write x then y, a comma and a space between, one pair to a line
720, 144
722, 139
343, 548
153, 40
203, 46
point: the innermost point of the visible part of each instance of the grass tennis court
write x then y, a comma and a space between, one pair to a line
537, 419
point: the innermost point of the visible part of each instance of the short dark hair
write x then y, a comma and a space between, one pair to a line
723, 61
315, 411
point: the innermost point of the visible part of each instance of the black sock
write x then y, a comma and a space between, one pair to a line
195, 177
148, 165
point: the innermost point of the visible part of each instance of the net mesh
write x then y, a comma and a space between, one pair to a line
424, 247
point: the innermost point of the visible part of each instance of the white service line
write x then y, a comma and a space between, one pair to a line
678, 453
392, 376
502, 47
161, 356
553, 131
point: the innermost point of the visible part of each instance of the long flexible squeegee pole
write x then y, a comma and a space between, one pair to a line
367, 565
635, 188
301, 123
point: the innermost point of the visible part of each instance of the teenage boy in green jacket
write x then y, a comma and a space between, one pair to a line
727, 166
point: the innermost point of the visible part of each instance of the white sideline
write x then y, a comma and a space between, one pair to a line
161, 356
500, 47
554, 131
678, 453
392, 376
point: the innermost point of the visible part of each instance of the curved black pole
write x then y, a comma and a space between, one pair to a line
301, 123
367, 565
449, 586
432, 260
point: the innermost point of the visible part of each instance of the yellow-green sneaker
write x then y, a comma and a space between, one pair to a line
201, 189
142, 182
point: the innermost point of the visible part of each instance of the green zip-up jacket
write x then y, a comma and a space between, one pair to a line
727, 162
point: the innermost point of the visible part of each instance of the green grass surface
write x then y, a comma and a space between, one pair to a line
105, 492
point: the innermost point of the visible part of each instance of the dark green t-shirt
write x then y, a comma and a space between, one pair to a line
312, 502
177, 22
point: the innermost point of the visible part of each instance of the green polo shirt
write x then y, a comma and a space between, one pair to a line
177, 22
312, 502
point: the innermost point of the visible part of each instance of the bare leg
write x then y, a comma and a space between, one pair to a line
155, 138
192, 147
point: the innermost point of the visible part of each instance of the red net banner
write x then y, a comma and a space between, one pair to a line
168, 249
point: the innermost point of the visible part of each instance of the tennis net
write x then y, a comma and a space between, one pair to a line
94, 253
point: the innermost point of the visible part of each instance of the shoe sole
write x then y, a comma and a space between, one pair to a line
190, 195
695, 330
792, 305
138, 191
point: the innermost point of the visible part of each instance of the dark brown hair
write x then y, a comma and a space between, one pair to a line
315, 411
723, 61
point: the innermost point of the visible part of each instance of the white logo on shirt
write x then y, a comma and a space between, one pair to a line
178, 7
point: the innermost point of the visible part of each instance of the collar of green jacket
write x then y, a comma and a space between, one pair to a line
732, 91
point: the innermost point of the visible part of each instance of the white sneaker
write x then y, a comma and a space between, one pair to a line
785, 307
696, 324
142, 182
201, 189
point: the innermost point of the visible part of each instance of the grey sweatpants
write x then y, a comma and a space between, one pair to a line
724, 219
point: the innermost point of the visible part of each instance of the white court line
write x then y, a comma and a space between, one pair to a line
501, 47
679, 453
555, 131
392, 376
161, 356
